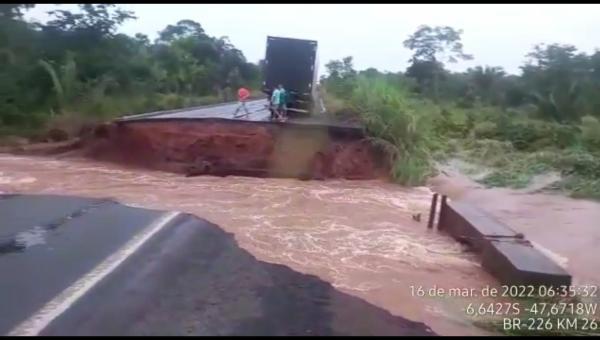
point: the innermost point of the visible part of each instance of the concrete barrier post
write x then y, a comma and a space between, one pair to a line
432, 211
443, 208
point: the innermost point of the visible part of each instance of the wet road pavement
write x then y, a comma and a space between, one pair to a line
258, 110
82, 266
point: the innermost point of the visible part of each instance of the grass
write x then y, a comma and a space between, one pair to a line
416, 132
580, 187
393, 122
579, 168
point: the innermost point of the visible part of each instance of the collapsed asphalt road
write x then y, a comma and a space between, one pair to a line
257, 109
74, 266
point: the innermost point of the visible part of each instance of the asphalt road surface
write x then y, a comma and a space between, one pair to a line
79, 266
258, 111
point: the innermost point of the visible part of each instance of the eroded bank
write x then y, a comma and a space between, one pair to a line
236, 147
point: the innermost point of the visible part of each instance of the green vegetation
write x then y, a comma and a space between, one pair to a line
545, 120
396, 124
75, 68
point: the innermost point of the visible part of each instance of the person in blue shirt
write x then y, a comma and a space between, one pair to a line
275, 98
282, 102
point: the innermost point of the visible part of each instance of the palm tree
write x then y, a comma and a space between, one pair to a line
485, 79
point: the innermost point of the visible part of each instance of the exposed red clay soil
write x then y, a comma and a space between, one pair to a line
222, 148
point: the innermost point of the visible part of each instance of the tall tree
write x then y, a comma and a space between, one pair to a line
486, 81
432, 46
13, 11
96, 19
554, 75
183, 29
341, 75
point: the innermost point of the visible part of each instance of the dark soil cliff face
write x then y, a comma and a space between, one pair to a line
239, 148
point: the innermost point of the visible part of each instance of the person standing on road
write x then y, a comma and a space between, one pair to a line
243, 95
282, 102
275, 97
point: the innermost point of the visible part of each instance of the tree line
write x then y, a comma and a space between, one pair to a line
547, 119
76, 63
557, 81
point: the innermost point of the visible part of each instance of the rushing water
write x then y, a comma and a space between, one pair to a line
358, 235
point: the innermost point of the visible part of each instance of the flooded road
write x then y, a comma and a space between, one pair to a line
565, 229
358, 235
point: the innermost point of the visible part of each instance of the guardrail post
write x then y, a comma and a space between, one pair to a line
432, 211
442, 211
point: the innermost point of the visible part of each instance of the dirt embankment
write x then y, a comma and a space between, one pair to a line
218, 147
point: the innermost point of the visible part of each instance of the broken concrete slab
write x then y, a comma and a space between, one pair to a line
473, 226
519, 263
505, 253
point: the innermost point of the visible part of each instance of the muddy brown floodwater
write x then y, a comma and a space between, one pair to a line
358, 235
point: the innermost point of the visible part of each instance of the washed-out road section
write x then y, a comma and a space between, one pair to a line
81, 266
258, 111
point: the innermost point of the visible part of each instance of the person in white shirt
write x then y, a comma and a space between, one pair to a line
275, 103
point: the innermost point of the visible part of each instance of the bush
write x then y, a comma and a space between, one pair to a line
412, 169
531, 135
580, 169
563, 136
485, 130
521, 134
576, 162
581, 187
10, 115
391, 118
507, 178
453, 123
335, 105
169, 101
590, 132
489, 151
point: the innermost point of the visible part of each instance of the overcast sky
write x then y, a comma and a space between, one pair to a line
496, 34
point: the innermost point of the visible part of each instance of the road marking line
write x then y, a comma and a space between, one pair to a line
43, 317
